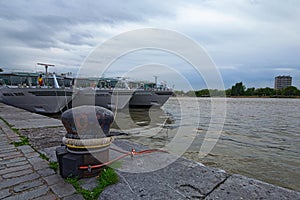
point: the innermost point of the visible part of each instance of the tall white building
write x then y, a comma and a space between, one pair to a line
282, 82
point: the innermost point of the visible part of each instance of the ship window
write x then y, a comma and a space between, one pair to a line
8, 94
67, 82
19, 94
15, 80
60, 82
5, 79
50, 82
34, 81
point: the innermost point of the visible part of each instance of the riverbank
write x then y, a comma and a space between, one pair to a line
182, 179
242, 97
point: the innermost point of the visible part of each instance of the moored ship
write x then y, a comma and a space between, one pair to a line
116, 93
24, 90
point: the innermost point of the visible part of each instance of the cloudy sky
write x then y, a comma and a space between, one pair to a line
248, 40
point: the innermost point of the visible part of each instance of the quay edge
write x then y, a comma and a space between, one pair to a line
183, 179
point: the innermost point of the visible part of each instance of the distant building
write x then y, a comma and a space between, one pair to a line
282, 82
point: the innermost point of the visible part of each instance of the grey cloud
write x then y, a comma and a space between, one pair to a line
78, 11
257, 34
33, 36
79, 39
44, 20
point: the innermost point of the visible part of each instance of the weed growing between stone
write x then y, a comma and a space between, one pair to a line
15, 130
54, 166
24, 141
43, 156
108, 177
6, 122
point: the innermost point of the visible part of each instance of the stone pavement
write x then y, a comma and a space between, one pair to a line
24, 175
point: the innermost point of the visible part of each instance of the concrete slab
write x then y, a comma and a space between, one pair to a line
184, 179
63, 189
50, 153
42, 138
240, 187
181, 179
21, 119
34, 123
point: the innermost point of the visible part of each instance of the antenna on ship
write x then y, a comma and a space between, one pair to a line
156, 76
46, 69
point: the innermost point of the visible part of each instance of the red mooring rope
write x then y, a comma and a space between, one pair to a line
132, 153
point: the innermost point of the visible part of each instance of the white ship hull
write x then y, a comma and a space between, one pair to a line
39, 100
144, 98
107, 98
120, 98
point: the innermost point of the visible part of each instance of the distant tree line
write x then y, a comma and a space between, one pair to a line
239, 90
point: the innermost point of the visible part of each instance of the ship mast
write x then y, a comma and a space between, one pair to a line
156, 76
46, 69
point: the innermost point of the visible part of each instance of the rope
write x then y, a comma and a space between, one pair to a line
132, 153
87, 143
87, 147
84, 152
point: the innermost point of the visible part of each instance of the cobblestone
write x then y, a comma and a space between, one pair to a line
46, 172
17, 174
26, 149
30, 194
27, 185
14, 164
47, 197
5, 149
15, 169
63, 189
4, 142
32, 154
23, 174
38, 163
8, 161
2, 167
7, 154
74, 197
53, 179
4, 193
15, 181
14, 156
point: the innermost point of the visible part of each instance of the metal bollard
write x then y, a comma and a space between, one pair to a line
85, 143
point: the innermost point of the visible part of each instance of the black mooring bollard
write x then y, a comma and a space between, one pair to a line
85, 143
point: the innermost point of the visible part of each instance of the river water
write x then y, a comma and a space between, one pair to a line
260, 137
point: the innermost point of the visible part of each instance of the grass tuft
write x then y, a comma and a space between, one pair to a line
6, 122
108, 177
15, 130
24, 141
43, 156
53, 165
